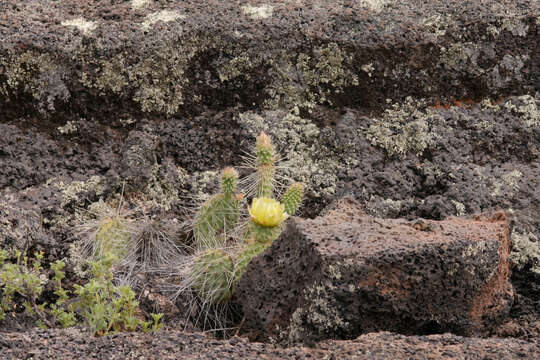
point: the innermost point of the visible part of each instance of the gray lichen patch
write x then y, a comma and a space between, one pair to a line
156, 82
460, 208
404, 128
384, 208
375, 5
240, 65
437, 24
85, 26
515, 25
163, 15
162, 193
305, 154
461, 57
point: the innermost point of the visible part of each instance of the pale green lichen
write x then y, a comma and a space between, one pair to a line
301, 81
85, 26
375, 5
36, 74
69, 128
163, 16
476, 257
139, 4
237, 66
525, 251
112, 76
157, 82
384, 208
258, 12
71, 193
515, 25
368, 69
462, 57
19, 227
404, 128
437, 24
321, 315
161, 192
527, 109
460, 208
507, 185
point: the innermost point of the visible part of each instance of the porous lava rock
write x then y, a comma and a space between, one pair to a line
115, 59
346, 273
173, 344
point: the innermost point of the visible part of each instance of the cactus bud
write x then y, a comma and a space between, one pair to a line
265, 149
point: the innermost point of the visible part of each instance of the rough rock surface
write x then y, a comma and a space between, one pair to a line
116, 59
356, 274
171, 344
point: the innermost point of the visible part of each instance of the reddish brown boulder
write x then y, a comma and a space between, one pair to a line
346, 274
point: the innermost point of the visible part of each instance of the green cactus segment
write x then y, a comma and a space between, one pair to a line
218, 214
265, 181
262, 234
293, 197
244, 257
229, 180
112, 238
212, 275
266, 157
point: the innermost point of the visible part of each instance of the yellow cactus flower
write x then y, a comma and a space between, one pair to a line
267, 212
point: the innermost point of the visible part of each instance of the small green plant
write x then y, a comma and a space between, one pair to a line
105, 307
23, 279
99, 304
222, 256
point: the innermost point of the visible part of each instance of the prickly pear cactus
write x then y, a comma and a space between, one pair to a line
214, 271
212, 275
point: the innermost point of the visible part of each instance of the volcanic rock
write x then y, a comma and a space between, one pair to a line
346, 273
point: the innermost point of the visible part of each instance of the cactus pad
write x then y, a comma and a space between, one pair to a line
212, 275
